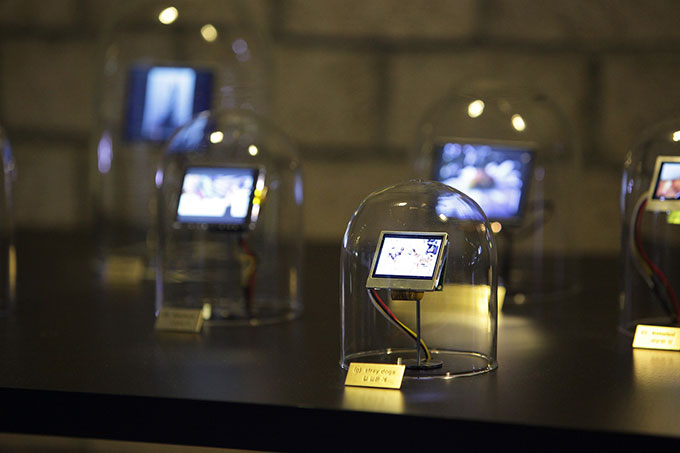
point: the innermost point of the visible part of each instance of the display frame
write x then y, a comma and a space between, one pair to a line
134, 107
204, 222
654, 202
519, 146
431, 282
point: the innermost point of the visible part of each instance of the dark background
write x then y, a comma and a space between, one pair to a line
350, 81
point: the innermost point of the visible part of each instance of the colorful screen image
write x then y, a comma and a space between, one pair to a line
406, 256
495, 176
668, 183
216, 195
162, 98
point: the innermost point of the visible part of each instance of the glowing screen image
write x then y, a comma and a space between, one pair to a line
162, 98
668, 185
216, 195
495, 176
408, 256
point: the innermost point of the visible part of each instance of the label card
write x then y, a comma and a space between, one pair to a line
180, 319
375, 375
657, 337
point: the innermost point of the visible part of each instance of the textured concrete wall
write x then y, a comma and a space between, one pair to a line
350, 81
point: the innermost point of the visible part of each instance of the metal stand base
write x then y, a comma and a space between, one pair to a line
415, 364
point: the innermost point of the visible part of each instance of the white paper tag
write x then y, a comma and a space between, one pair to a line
180, 319
657, 337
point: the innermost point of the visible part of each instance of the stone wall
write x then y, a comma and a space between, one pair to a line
350, 81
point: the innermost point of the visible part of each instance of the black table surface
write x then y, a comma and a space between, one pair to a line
80, 359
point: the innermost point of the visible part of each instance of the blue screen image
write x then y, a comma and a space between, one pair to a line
163, 98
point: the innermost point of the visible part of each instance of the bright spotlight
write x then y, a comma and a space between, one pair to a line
209, 32
475, 108
216, 137
168, 15
518, 122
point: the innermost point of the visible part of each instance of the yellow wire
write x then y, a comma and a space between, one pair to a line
414, 335
641, 262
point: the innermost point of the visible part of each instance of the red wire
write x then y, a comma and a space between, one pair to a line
382, 304
392, 315
655, 269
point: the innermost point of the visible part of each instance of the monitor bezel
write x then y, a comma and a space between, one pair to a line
656, 204
137, 137
409, 283
511, 145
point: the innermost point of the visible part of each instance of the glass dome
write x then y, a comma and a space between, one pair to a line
512, 151
230, 220
650, 213
419, 262
8, 268
161, 63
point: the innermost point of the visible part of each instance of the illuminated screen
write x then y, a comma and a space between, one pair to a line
403, 256
162, 98
219, 196
495, 176
668, 183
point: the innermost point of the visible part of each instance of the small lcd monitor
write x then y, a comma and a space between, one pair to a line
408, 260
162, 98
664, 191
495, 175
219, 197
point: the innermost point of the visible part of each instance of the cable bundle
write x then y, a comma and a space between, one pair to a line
655, 279
382, 307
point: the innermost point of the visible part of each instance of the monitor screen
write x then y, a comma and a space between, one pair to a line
407, 256
408, 260
668, 187
217, 195
162, 98
664, 193
496, 176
